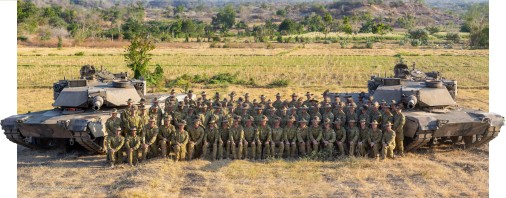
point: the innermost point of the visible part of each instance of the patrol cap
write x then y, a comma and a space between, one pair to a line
114, 110
183, 122
303, 120
118, 129
326, 121
388, 123
374, 122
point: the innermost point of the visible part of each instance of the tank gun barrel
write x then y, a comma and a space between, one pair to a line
412, 101
98, 101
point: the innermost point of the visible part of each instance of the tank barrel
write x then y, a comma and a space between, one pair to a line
412, 101
97, 102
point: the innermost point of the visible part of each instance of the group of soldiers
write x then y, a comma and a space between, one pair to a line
242, 129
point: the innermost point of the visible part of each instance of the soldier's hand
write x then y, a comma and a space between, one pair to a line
325, 142
131, 149
293, 142
314, 142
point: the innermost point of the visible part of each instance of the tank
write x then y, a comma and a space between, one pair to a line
432, 113
81, 108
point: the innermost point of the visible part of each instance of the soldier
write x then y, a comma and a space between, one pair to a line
189, 95
131, 120
113, 122
278, 104
315, 112
236, 138
264, 137
399, 121
352, 136
178, 114
302, 136
249, 138
339, 113
290, 132
232, 95
149, 139
272, 116
351, 113
179, 141
213, 138
375, 136
114, 145
363, 114
258, 115
247, 101
217, 99
283, 114
126, 112
143, 117
262, 100
197, 137
307, 102
165, 134
327, 112
375, 114
132, 145
225, 134
328, 137
363, 138
189, 115
204, 97
340, 136
387, 116
388, 141
244, 113
215, 115
315, 135
142, 102
293, 101
278, 138
304, 114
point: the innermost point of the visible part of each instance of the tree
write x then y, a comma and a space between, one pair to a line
225, 19
288, 26
346, 26
476, 20
327, 19
137, 54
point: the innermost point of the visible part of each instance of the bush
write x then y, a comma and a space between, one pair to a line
269, 46
214, 45
453, 37
415, 42
369, 44
79, 54
279, 83
22, 38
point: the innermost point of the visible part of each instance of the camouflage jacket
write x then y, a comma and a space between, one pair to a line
341, 134
290, 134
115, 142
263, 133
329, 135
278, 135
389, 138
197, 135
112, 124
302, 134
375, 136
236, 134
315, 133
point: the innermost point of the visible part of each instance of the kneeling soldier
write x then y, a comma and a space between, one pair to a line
197, 136
363, 137
179, 141
149, 139
165, 134
388, 141
114, 143
328, 137
132, 145
375, 137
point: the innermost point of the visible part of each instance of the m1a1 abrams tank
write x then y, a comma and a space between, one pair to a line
432, 114
81, 108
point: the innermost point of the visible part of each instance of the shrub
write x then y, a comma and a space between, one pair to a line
415, 42
79, 54
279, 83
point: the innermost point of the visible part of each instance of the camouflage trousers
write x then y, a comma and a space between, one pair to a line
304, 148
376, 150
291, 149
115, 157
179, 151
164, 146
237, 149
228, 150
362, 149
312, 146
280, 145
249, 150
132, 157
399, 142
194, 150
149, 152
352, 145
328, 148
340, 146
388, 150
217, 147
263, 150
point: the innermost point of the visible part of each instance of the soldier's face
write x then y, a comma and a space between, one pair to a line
374, 126
196, 124
278, 97
167, 121
362, 124
315, 123
263, 122
337, 125
134, 133
389, 127
248, 123
326, 125
190, 95
276, 124
289, 123
114, 115
118, 132
302, 124
181, 127
151, 123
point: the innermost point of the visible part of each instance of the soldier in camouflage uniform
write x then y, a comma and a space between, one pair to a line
113, 122
272, 116
263, 139
351, 113
388, 141
126, 112
191, 102
352, 136
399, 121
304, 114
363, 138
315, 112
302, 136
114, 144
375, 137
244, 113
178, 114
327, 112
132, 145
225, 134
293, 101
216, 101
149, 140
249, 138
179, 141
236, 138
130, 121
278, 138
387, 116
143, 118
278, 104
307, 102
197, 137
290, 131
165, 134
340, 136
328, 137
213, 138
315, 135
189, 115
339, 113
375, 114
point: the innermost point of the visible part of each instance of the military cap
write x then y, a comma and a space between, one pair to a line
249, 118
212, 122
245, 106
393, 102
142, 100
277, 118
388, 123
190, 91
259, 107
374, 122
294, 95
262, 96
167, 117
130, 100
376, 104
342, 104
143, 107
216, 107
362, 120
269, 101
316, 118
152, 119
278, 94
246, 95
272, 109
118, 129
303, 120
203, 93
172, 91
134, 107
217, 94
328, 105
383, 102
284, 108
352, 120
183, 122
292, 118
338, 120
237, 117
224, 121
304, 107
232, 93
308, 93
133, 129
114, 110
264, 118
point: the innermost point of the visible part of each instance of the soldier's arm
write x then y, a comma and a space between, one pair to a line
284, 136
202, 136
299, 136
320, 135
392, 139
241, 138
257, 135
356, 135
231, 135
153, 139
344, 136
186, 138
137, 145
122, 142
310, 134
269, 135
332, 137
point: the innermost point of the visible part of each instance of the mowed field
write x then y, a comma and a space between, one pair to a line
434, 172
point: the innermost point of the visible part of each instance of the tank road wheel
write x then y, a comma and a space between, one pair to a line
48, 143
469, 141
455, 139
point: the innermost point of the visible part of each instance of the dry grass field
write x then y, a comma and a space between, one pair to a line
431, 172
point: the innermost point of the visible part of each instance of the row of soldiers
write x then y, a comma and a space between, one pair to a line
255, 130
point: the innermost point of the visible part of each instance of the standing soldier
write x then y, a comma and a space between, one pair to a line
375, 136
315, 135
149, 140
278, 103
213, 139
351, 113
143, 117
132, 120
302, 136
232, 95
190, 115
126, 112
363, 138
340, 136
247, 101
224, 134
272, 116
328, 137
264, 137
236, 138
156, 112
114, 145
307, 102
191, 101
399, 121
363, 113
327, 112
352, 136
165, 134
293, 101
113, 122
290, 132
132, 145
278, 138
244, 113
304, 114
375, 114
216, 101
249, 138
339, 113
388, 141
197, 136
142, 102
179, 141
315, 112
283, 114
178, 114
204, 97
387, 116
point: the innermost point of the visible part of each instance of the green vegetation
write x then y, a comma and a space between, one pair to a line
137, 54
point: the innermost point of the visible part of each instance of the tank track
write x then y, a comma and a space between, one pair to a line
485, 138
419, 141
84, 139
16, 137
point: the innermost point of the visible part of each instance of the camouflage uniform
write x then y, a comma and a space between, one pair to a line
166, 131
388, 142
149, 140
302, 137
290, 133
387, 116
249, 139
213, 138
340, 136
328, 138
112, 123
399, 121
375, 137
264, 137
179, 141
315, 135
197, 137
363, 138
131, 121
278, 139
132, 145
225, 134
114, 144
352, 137
339, 113
236, 138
